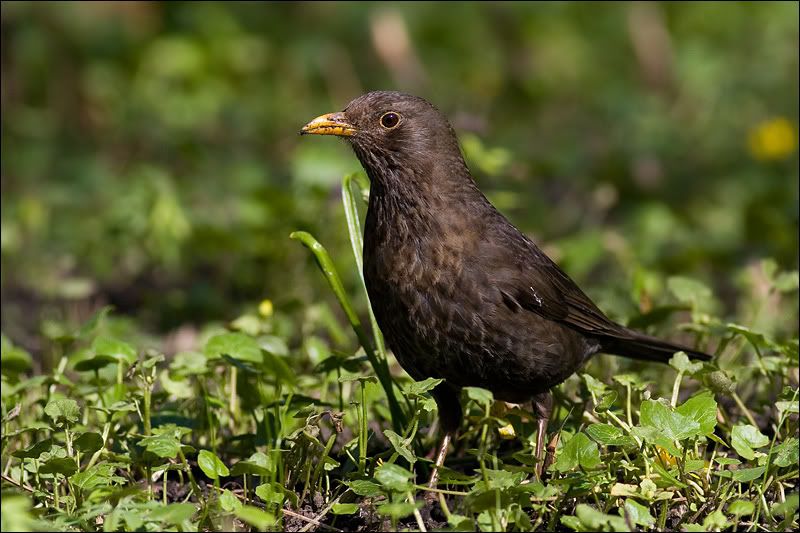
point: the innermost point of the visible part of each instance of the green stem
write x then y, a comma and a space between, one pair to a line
379, 364
146, 417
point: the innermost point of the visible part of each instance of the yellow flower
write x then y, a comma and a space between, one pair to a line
506, 432
772, 139
265, 308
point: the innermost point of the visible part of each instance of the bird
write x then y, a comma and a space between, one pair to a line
459, 293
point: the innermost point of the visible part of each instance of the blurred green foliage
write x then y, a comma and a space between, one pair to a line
150, 156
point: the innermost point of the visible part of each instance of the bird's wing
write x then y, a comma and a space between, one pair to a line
532, 281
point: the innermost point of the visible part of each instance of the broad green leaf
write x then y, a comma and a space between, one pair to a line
393, 477
254, 516
397, 510
229, 502
596, 520
400, 446
741, 508
89, 442
34, 450
258, 464
595, 386
164, 445
746, 438
173, 514
59, 465
211, 465
701, 408
97, 476
673, 425
365, 488
789, 507
606, 401
268, 493
421, 387
481, 396
236, 345
638, 513
93, 363
578, 451
786, 453
681, 362
120, 351
64, 411
608, 435
345, 508
14, 360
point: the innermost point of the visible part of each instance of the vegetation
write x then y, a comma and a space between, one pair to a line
172, 359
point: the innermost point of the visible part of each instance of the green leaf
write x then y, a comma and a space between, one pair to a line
164, 445
789, 507
400, 446
13, 360
743, 475
608, 435
606, 401
269, 495
345, 508
595, 386
702, 408
680, 362
578, 451
638, 513
258, 464
211, 465
59, 465
96, 362
481, 396
120, 351
393, 477
746, 438
89, 442
673, 425
741, 508
99, 475
254, 516
421, 387
64, 411
236, 345
365, 488
595, 520
786, 453
396, 510
174, 513
34, 450
229, 502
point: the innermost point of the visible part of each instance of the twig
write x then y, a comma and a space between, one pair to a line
325, 511
312, 521
22, 486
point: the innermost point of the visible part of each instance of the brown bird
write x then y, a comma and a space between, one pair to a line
458, 291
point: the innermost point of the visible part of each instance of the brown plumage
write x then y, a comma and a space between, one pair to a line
458, 291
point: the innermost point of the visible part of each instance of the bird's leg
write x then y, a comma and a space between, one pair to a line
450, 416
542, 408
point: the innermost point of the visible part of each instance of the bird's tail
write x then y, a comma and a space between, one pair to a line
646, 348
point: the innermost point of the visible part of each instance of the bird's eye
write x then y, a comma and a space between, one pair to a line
390, 120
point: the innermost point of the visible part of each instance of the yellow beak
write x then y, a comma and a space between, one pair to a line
330, 124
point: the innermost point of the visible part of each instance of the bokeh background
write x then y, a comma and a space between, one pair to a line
150, 156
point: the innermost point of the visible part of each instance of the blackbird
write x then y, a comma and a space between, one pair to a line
458, 291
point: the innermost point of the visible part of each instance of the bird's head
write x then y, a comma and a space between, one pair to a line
391, 133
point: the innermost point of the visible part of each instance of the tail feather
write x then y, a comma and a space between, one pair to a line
646, 348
